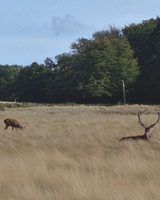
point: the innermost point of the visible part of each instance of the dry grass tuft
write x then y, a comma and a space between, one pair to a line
73, 152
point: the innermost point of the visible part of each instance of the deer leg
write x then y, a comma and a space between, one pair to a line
6, 127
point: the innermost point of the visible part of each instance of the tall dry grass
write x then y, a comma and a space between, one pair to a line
74, 153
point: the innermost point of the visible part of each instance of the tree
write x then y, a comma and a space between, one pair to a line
143, 43
153, 64
138, 36
94, 71
8, 75
64, 85
32, 83
112, 32
49, 63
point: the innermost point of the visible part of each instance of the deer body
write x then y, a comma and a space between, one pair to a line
148, 130
137, 137
12, 122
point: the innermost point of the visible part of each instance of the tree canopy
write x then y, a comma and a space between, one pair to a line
144, 39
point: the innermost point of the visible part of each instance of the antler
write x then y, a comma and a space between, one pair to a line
139, 114
156, 121
139, 121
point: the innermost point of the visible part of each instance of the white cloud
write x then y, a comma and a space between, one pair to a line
69, 26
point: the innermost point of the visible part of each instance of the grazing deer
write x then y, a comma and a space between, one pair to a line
148, 130
12, 122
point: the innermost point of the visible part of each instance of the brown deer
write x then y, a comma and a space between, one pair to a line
148, 130
12, 122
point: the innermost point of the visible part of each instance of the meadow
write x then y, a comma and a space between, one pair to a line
74, 153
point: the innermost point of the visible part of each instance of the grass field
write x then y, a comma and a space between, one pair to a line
74, 153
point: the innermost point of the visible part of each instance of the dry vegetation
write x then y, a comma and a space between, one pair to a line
74, 153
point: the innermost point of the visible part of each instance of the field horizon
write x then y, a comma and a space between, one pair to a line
73, 152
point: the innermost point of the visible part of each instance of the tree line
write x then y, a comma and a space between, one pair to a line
93, 70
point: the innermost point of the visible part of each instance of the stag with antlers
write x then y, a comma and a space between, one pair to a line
148, 129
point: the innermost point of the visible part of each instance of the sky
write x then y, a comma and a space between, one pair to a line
32, 30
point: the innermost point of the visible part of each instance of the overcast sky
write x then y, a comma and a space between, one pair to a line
32, 30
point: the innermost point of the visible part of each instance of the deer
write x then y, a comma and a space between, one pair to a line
14, 123
148, 129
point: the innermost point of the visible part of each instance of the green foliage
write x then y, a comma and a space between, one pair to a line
138, 36
144, 39
95, 69
111, 33
8, 75
153, 64
32, 82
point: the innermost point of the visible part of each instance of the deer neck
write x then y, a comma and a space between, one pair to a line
148, 132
